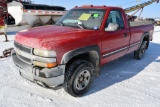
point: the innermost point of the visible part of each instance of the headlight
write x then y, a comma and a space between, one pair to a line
44, 53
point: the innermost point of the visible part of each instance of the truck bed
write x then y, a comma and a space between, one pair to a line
138, 29
140, 23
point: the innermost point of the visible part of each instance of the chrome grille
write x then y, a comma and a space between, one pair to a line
25, 59
22, 48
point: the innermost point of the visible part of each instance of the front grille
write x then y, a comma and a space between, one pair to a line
22, 48
29, 61
25, 59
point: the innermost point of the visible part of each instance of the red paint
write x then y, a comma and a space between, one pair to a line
3, 15
46, 12
33, 11
3, 4
39, 11
63, 39
25, 10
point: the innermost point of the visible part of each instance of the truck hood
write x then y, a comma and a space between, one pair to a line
49, 37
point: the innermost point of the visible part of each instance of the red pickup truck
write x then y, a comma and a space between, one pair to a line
71, 52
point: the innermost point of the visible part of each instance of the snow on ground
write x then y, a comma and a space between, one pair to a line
125, 82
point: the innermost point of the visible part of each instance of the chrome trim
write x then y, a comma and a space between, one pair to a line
134, 44
51, 77
119, 50
23, 47
30, 63
33, 57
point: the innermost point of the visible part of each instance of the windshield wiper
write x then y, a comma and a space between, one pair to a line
61, 23
80, 24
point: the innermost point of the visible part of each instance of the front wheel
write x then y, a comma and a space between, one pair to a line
139, 54
79, 78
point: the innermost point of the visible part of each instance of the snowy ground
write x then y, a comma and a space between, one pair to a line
125, 82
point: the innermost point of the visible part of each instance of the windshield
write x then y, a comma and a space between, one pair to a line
83, 18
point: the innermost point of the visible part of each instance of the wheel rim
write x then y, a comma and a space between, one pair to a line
142, 51
83, 79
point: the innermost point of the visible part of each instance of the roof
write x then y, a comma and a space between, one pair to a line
99, 7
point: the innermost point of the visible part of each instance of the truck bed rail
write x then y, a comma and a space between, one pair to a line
140, 23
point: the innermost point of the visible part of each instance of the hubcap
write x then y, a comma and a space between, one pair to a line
83, 79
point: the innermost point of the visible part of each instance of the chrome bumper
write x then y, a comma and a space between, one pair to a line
50, 77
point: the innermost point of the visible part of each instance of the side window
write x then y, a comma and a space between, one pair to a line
115, 16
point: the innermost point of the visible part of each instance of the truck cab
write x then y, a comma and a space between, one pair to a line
71, 52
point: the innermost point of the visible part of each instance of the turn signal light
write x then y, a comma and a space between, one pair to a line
46, 65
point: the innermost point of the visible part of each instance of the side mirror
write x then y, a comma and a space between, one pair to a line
112, 27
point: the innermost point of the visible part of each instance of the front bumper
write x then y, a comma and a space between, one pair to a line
50, 77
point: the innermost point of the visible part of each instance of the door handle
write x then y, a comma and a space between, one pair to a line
125, 34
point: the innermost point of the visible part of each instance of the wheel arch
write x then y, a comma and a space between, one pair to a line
91, 50
146, 37
89, 53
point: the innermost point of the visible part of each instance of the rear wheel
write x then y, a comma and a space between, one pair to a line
79, 78
139, 54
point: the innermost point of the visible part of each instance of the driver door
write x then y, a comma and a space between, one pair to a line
115, 43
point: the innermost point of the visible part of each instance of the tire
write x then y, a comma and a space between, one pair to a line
139, 54
79, 78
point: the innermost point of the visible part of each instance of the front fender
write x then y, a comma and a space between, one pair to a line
69, 55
